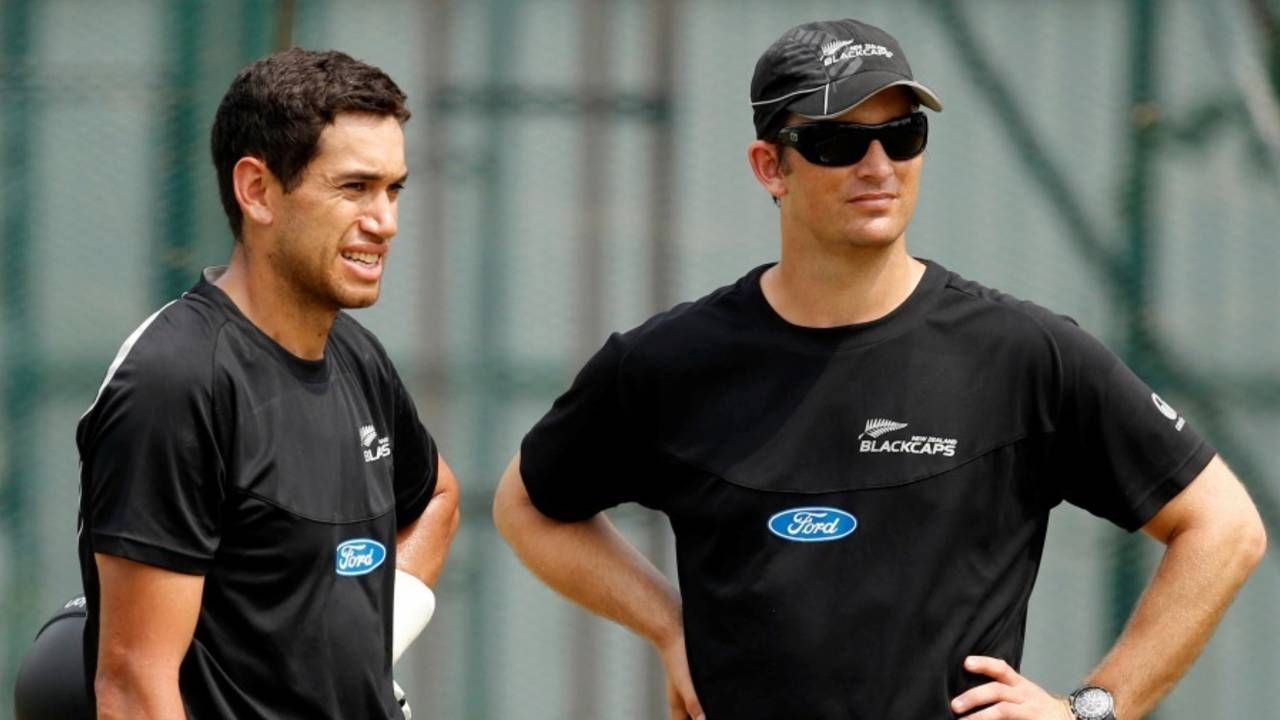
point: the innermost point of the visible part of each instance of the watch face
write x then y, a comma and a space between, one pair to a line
1092, 704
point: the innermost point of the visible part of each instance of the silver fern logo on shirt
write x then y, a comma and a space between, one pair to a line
869, 440
375, 448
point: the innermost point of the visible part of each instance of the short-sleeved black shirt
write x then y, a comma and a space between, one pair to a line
212, 450
857, 509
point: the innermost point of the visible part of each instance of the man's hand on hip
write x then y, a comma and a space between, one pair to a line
680, 695
1008, 697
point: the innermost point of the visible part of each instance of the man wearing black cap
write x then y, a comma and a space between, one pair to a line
858, 451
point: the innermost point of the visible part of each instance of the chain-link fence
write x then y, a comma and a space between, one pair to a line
580, 164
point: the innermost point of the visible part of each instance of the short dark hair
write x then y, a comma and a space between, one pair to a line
277, 107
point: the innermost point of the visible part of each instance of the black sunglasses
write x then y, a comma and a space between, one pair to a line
834, 144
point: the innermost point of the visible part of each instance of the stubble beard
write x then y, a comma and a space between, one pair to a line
311, 279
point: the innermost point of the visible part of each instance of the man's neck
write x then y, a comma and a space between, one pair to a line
830, 290
274, 307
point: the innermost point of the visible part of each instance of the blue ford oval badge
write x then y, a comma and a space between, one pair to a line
360, 556
812, 524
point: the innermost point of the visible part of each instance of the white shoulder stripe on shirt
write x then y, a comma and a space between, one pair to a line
129, 342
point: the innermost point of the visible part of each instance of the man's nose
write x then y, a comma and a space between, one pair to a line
876, 164
380, 220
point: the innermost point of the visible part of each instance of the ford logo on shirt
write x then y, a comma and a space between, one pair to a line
812, 524
360, 556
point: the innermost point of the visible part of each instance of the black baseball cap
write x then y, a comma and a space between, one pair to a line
821, 69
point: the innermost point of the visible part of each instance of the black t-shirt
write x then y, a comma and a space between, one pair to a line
856, 509
211, 450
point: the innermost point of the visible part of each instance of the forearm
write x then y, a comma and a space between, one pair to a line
590, 563
1199, 575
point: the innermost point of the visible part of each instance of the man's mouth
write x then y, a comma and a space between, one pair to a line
368, 259
874, 197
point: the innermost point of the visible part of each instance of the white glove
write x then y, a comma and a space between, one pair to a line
414, 606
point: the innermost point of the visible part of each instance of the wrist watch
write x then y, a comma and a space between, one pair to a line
1092, 703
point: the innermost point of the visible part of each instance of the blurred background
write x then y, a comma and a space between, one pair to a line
578, 165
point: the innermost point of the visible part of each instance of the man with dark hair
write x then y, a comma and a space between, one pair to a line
858, 451
261, 510
277, 108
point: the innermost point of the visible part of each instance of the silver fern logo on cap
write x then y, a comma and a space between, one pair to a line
833, 47
880, 426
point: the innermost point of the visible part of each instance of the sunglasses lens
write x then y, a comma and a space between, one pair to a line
840, 144
837, 146
905, 141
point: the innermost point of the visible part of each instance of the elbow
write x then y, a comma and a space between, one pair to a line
121, 689
447, 498
503, 511
454, 521
510, 503
111, 682
446, 506
1244, 542
450, 510
109, 692
1254, 543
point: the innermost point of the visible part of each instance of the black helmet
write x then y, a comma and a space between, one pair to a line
51, 680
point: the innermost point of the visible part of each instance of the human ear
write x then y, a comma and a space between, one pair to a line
251, 180
767, 164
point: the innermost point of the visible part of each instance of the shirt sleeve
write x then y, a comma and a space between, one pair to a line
416, 458
151, 472
587, 454
1121, 450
